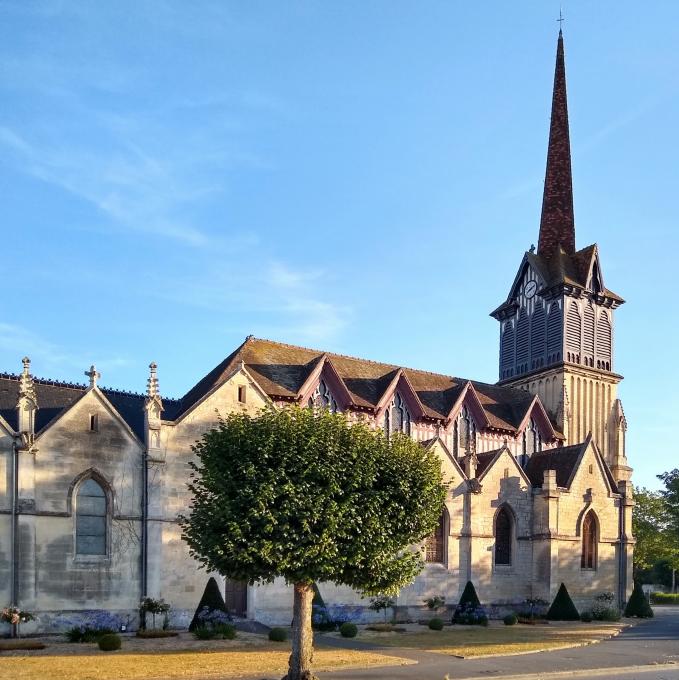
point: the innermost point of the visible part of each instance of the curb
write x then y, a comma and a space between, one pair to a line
587, 673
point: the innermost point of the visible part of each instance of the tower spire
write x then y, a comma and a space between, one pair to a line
557, 223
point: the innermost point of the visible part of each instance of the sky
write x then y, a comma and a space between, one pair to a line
358, 177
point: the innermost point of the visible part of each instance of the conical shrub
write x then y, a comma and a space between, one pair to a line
212, 599
562, 608
469, 610
638, 605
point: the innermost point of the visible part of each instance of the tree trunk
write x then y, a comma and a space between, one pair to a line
302, 635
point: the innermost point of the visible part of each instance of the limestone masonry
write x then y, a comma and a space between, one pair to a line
92, 479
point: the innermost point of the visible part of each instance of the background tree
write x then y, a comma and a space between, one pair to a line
305, 495
656, 554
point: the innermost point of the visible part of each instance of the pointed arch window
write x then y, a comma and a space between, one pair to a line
397, 416
589, 541
322, 398
503, 537
435, 545
466, 431
91, 519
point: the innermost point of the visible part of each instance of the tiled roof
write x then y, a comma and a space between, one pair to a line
563, 460
54, 397
282, 369
484, 460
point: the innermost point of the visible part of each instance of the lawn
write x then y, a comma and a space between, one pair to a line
497, 639
173, 658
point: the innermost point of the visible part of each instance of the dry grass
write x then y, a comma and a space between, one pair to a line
162, 660
476, 641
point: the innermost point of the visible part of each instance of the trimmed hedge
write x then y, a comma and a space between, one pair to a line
638, 605
562, 608
153, 633
349, 630
436, 624
110, 642
510, 620
664, 598
278, 635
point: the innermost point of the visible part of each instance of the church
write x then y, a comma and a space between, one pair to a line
92, 479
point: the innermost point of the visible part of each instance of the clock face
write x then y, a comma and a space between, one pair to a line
530, 289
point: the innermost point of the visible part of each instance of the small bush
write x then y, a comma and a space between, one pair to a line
154, 633
604, 608
436, 624
225, 631
638, 605
212, 601
203, 632
469, 611
109, 642
664, 598
278, 635
349, 630
586, 617
325, 625
435, 602
562, 608
510, 620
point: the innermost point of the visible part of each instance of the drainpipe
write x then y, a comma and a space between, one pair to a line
622, 558
14, 590
144, 533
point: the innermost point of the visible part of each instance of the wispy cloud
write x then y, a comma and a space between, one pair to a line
48, 359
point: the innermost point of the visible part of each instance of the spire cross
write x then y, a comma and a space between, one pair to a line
93, 375
560, 19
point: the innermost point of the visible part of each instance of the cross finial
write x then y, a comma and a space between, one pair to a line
93, 375
560, 19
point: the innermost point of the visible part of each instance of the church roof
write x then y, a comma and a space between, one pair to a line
565, 461
281, 370
54, 397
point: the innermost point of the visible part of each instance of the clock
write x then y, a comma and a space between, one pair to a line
530, 289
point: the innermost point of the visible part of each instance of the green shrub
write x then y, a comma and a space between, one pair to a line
664, 598
562, 608
325, 625
224, 631
510, 620
586, 617
637, 604
203, 632
212, 599
349, 630
469, 611
109, 642
278, 635
604, 608
436, 624
469, 596
435, 602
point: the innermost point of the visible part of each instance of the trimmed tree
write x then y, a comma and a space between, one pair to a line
468, 609
212, 599
562, 608
305, 495
638, 605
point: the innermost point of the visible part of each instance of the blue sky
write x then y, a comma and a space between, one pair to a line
362, 177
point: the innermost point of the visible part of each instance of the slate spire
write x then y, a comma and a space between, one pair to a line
557, 223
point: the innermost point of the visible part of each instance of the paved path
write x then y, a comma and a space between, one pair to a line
646, 644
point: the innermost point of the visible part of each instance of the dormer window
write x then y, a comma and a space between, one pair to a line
532, 440
464, 432
322, 398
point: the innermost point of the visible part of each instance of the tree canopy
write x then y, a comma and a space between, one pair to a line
305, 495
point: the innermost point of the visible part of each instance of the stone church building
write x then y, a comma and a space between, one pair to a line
92, 479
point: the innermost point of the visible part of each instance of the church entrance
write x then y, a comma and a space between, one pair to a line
236, 597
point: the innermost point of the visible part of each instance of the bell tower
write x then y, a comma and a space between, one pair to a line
556, 326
